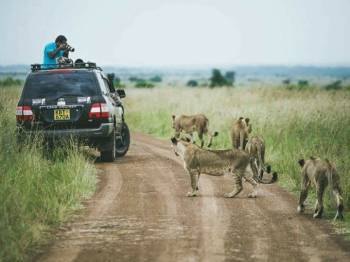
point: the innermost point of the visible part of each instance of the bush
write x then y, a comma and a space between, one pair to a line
230, 77
156, 79
286, 82
9, 81
141, 83
134, 79
337, 85
192, 83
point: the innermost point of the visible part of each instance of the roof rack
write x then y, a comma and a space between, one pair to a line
88, 65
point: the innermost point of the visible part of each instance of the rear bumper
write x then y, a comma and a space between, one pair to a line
103, 131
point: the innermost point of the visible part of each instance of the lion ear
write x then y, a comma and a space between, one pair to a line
301, 162
173, 117
174, 140
187, 139
247, 120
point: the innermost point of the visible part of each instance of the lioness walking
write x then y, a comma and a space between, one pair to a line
240, 131
195, 123
320, 173
255, 147
199, 161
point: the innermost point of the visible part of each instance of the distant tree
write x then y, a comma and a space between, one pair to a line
156, 79
286, 81
141, 83
337, 85
217, 79
134, 79
9, 81
230, 77
303, 83
192, 83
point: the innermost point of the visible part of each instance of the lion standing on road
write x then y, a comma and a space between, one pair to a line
320, 173
194, 123
199, 161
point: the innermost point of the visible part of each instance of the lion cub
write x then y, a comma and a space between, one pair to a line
240, 131
320, 173
195, 123
216, 162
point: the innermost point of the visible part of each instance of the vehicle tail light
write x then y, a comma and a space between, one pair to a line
99, 110
24, 113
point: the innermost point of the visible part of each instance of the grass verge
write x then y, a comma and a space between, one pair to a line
37, 192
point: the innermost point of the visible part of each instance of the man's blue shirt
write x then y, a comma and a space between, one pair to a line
49, 48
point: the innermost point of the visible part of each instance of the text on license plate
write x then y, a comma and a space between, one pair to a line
61, 114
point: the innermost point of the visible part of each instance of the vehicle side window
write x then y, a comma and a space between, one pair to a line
107, 85
101, 82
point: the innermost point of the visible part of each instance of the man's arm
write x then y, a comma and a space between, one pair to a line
53, 53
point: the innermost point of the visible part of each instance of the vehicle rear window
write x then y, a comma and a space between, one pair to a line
58, 84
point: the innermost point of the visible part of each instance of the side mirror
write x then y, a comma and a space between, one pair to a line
121, 93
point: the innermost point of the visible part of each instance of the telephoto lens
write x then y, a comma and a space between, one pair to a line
69, 48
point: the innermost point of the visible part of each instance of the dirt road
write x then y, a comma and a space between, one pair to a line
140, 213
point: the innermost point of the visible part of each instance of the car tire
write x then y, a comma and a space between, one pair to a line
109, 155
122, 145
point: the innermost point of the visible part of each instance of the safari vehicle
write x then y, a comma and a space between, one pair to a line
74, 100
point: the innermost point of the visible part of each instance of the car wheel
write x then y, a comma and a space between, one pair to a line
122, 143
109, 155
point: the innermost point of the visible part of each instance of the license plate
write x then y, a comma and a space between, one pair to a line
61, 114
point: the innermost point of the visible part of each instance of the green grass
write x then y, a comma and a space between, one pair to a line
295, 124
37, 192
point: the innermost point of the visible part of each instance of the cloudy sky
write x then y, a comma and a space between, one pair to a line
180, 32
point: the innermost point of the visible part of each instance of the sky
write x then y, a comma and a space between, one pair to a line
179, 32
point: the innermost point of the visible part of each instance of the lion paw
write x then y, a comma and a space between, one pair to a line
252, 195
300, 208
192, 194
229, 195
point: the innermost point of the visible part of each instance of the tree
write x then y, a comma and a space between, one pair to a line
230, 77
217, 79
192, 83
286, 81
337, 85
156, 79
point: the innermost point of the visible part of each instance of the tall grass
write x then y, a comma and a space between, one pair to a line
295, 124
36, 192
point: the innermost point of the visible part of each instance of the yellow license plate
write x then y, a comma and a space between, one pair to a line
61, 114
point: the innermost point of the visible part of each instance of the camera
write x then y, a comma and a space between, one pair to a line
69, 48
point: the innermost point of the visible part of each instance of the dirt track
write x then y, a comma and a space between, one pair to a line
140, 213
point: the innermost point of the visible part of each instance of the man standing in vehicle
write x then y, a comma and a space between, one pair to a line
55, 50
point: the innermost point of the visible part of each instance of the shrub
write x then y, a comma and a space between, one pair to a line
337, 85
9, 81
141, 83
192, 83
156, 79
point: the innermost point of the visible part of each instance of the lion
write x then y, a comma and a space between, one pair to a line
199, 161
240, 131
255, 147
194, 123
320, 173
